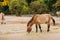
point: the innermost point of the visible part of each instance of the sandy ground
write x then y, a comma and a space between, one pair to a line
15, 29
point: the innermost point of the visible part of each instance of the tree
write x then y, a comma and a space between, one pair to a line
57, 5
17, 6
49, 3
29, 1
38, 7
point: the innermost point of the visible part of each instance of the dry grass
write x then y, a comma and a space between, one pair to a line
16, 30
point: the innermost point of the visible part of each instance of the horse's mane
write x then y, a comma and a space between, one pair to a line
30, 20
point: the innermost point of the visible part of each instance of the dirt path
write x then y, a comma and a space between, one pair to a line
32, 36
14, 19
15, 29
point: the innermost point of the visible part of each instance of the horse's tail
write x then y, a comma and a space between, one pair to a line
53, 20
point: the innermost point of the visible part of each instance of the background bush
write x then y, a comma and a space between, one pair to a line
24, 7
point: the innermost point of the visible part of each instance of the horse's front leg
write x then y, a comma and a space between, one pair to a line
36, 28
48, 28
48, 24
40, 28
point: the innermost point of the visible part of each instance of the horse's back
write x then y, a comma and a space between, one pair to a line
43, 18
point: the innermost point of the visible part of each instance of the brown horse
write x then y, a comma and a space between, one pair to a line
2, 18
40, 19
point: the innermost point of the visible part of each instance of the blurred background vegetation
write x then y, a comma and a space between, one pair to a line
25, 7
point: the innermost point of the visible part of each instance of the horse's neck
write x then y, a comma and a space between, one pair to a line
31, 23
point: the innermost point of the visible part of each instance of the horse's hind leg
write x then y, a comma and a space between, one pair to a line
48, 28
40, 28
36, 28
48, 23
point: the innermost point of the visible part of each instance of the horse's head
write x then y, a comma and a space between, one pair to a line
29, 29
29, 25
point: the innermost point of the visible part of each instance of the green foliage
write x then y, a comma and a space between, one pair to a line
4, 9
16, 7
19, 7
29, 1
57, 5
49, 3
1, 0
38, 7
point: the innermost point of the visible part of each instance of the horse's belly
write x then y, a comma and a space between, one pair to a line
43, 19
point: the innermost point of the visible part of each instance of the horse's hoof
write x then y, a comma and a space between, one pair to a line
41, 31
47, 30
